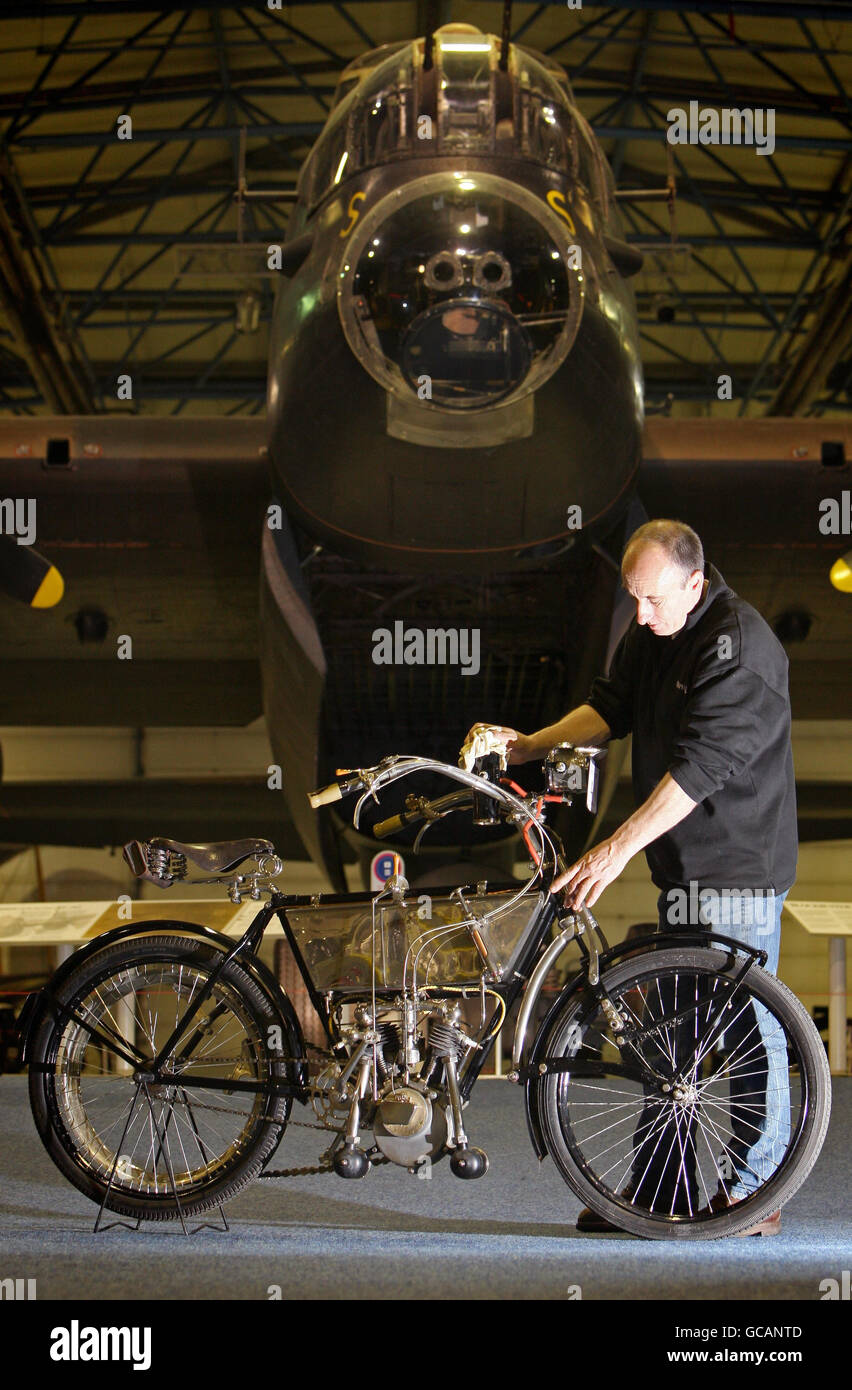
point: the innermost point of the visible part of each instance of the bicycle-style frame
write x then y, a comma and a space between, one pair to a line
531, 944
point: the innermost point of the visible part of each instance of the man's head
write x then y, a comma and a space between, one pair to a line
663, 570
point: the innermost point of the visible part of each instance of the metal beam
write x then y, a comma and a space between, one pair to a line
34, 91
836, 228
132, 237
809, 223
354, 24
171, 89
201, 381
212, 178
308, 91
163, 135
730, 242
783, 101
528, 23
837, 10
827, 342
58, 220
717, 191
115, 291
121, 46
63, 377
636, 79
34, 332
796, 144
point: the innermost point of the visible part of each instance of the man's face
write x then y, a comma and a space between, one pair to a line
663, 600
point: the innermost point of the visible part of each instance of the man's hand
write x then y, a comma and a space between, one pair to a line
585, 881
516, 744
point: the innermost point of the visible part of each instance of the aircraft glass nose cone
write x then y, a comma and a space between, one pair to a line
459, 290
473, 352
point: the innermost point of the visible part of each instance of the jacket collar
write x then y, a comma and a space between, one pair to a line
715, 588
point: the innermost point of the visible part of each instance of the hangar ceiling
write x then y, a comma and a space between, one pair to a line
122, 255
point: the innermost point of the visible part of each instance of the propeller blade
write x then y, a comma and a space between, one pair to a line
841, 573
27, 576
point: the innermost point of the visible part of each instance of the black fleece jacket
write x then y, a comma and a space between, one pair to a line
711, 706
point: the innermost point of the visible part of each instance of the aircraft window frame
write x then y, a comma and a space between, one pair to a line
392, 83
599, 187
395, 104
533, 122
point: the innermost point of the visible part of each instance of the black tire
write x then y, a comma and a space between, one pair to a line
136, 990
660, 1186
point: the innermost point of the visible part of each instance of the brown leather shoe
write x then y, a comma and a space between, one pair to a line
769, 1226
592, 1221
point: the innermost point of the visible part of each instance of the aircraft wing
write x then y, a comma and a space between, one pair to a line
756, 493
155, 526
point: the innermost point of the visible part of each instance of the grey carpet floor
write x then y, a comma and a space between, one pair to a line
508, 1236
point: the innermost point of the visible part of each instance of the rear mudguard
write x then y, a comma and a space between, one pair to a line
38, 1004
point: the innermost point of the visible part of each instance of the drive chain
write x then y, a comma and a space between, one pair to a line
375, 1158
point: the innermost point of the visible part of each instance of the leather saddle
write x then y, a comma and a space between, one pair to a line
215, 858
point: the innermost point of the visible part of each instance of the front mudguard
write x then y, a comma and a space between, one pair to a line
532, 1085
38, 1004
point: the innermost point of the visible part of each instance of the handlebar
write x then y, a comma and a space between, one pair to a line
354, 780
383, 828
324, 796
335, 791
417, 809
514, 808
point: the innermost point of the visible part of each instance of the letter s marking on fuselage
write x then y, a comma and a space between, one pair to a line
354, 213
556, 201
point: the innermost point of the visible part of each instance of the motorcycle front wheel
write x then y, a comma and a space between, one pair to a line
133, 1144
687, 1104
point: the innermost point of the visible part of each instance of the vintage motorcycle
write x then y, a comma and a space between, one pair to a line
164, 1058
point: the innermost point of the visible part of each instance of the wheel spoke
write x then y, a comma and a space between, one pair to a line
93, 1100
712, 1109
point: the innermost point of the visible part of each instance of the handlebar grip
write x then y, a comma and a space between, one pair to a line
390, 826
324, 796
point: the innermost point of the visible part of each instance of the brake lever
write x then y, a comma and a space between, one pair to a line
433, 820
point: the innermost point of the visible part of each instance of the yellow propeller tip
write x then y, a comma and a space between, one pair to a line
841, 573
50, 590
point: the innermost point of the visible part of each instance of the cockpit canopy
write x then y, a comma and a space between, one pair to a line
392, 105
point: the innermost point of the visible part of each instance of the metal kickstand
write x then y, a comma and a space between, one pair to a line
164, 1150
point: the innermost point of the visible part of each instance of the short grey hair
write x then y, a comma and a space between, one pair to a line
680, 543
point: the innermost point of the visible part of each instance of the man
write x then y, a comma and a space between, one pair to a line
700, 681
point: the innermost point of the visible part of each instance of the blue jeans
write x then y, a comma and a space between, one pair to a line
757, 1068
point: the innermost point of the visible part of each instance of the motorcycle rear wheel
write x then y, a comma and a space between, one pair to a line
135, 1144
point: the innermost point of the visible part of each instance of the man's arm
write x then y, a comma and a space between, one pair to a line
582, 725
586, 880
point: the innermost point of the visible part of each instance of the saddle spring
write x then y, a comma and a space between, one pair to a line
165, 864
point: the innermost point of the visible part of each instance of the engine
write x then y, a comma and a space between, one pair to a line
410, 1123
399, 1078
